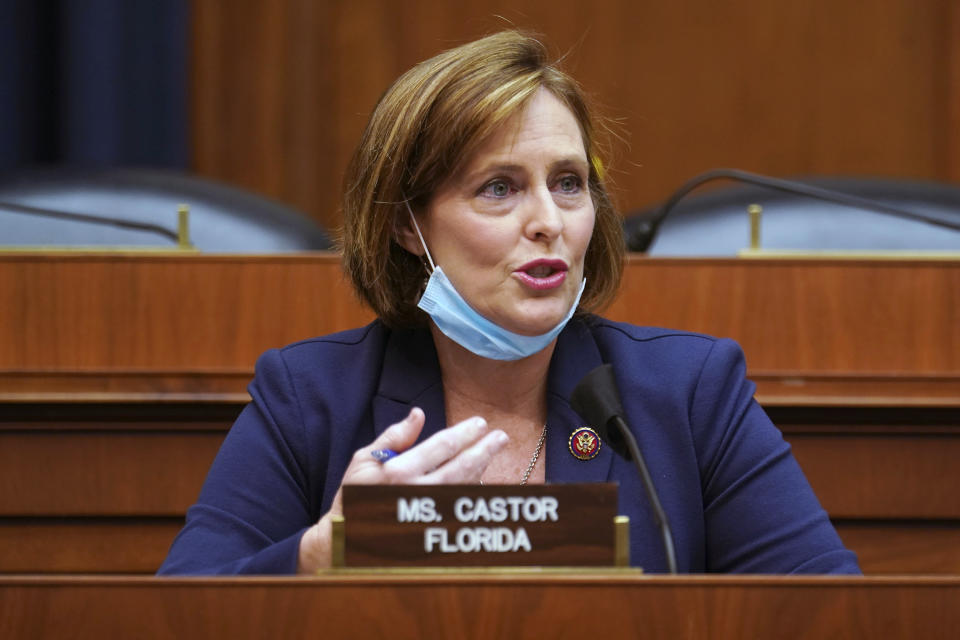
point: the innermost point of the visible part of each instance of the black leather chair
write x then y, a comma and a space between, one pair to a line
223, 219
716, 223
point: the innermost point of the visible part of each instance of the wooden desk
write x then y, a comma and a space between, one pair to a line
119, 376
595, 605
818, 333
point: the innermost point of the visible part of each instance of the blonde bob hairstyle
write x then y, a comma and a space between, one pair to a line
422, 131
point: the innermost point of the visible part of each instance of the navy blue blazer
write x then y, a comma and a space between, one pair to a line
735, 496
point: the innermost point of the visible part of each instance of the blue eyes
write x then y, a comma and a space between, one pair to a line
497, 188
569, 184
501, 188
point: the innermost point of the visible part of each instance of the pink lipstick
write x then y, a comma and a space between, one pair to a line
542, 274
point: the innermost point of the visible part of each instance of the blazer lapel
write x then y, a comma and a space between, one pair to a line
410, 378
576, 354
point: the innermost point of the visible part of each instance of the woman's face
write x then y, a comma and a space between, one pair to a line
511, 230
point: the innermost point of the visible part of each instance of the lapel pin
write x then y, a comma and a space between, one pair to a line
584, 443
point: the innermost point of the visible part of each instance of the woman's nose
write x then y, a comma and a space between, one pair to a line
544, 220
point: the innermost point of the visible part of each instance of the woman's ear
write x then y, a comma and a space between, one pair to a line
406, 235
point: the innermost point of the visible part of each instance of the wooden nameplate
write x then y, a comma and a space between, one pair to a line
561, 525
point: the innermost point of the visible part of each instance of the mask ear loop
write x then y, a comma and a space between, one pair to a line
420, 235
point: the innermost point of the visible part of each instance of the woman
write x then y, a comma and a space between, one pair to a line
476, 225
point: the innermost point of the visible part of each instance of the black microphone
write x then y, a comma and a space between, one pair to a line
597, 400
11, 207
644, 231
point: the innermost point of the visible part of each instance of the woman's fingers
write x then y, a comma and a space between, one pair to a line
365, 468
401, 435
468, 466
439, 449
457, 454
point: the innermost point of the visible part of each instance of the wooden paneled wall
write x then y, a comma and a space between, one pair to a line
281, 90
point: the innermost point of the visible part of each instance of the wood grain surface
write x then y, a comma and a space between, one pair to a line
280, 91
99, 545
183, 326
471, 605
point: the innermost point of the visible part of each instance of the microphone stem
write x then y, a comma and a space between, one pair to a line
659, 515
644, 236
14, 207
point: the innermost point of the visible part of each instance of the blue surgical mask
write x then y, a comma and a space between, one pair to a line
462, 324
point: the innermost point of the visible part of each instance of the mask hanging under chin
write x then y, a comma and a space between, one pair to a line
457, 320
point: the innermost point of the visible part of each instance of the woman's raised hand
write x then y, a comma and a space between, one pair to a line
456, 455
